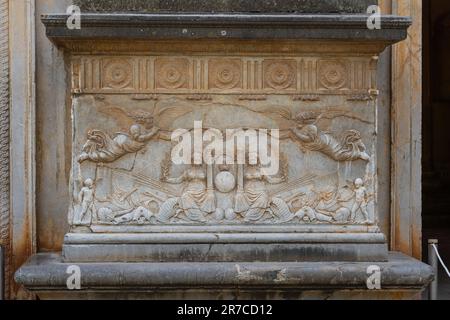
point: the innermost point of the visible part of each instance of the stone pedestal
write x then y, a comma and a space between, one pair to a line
305, 85
401, 278
225, 247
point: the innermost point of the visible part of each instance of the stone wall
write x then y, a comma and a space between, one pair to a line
53, 141
4, 132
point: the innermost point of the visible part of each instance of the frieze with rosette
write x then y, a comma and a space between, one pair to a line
225, 74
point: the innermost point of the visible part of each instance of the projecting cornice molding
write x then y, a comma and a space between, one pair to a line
226, 26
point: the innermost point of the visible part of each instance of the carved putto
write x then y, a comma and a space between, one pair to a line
100, 147
350, 147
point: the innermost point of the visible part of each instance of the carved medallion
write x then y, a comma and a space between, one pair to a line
280, 74
117, 74
225, 74
172, 73
248, 76
332, 74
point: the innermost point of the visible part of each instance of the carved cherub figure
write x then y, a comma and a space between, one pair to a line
350, 148
86, 198
361, 200
307, 132
102, 148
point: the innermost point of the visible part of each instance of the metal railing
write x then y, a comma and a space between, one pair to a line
433, 262
434, 258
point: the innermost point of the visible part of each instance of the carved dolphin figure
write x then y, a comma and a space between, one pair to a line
168, 210
312, 215
281, 210
139, 214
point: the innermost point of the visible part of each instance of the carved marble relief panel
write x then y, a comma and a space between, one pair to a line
126, 108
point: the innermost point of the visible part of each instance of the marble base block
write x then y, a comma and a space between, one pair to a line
401, 278
226, 247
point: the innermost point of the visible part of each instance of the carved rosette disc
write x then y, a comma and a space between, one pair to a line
333, 74
280, 75
225, 74
118, 74
172, 74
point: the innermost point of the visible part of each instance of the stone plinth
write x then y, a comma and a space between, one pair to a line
225, 247
401, 278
